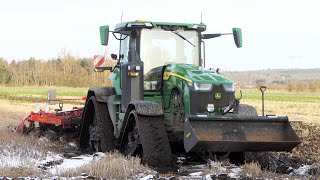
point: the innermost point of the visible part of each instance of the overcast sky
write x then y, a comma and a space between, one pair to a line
276, 33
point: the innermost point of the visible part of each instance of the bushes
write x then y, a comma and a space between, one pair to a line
4, 72
297, 86
314, 86
290, 87
300, 86
66, 70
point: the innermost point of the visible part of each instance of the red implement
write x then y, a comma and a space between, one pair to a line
64, 119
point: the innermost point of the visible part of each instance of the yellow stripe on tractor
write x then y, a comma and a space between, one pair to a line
167, 75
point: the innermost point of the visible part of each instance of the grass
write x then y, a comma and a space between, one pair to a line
112, 166
39, 94
42, 91
280, 95
248, 94
16, 172
297, 106
252, 169
215, 167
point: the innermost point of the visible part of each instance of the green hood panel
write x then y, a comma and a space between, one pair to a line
192, 73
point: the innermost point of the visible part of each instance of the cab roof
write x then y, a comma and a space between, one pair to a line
150, 24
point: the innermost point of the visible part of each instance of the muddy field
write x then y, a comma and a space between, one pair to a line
50, 157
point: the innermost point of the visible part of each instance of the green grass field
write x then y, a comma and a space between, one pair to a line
303, 106
39, 93
247, 94
276, 95
42, 91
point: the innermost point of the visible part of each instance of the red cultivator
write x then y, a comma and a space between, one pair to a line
59, 119
64, 119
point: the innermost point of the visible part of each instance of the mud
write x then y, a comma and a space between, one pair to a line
302, 161
307, 153
309, 149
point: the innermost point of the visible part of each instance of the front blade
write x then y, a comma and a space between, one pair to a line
239, 134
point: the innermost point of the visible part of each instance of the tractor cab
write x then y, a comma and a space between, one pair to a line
159, 43
159, 46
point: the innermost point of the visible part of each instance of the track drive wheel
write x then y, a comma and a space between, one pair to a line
99, 132
146, 137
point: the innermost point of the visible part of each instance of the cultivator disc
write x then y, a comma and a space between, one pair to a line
239, 134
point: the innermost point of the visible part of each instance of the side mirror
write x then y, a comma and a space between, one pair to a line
237, 35
104, 35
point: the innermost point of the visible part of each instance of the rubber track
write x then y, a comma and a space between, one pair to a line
247, 110
105, 127
98, 125
154, 140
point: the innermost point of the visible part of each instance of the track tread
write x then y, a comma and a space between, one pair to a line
247, 110
105, 127
154, 139
101, 129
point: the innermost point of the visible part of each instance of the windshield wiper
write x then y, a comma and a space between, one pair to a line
178, 34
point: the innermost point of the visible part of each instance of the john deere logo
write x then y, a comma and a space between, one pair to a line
217, 96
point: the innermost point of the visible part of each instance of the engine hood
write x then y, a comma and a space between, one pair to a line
192, 73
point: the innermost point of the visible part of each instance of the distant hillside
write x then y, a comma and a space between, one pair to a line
279, 76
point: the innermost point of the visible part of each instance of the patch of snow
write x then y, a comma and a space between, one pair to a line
235, 172
56, 164
148, 177
234, 175
98, 155
208, 177
196, 174
44, 141
72, 144
71, 163
180, 160
250, 175
214, 164
200, 166
302, 170
50, 161
19, 155
55, 178
83, 176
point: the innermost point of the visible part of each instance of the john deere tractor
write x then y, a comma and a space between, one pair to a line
163, 98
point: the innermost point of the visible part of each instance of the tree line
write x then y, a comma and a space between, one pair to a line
65, 70
70, 71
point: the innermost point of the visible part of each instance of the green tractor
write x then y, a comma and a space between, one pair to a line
163, 98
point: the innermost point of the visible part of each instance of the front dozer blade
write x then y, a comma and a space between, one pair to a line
239, 134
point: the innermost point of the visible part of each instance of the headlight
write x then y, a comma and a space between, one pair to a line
210, 107
202, 87
228, 87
